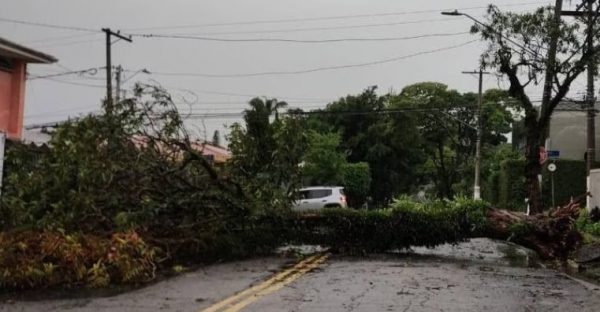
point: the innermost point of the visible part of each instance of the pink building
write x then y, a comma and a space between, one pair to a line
13, 68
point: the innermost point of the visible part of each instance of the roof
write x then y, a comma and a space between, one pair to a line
219, 154
17, 51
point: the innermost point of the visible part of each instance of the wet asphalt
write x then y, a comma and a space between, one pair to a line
480, 275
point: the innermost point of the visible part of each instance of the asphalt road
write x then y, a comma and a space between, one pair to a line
477, 276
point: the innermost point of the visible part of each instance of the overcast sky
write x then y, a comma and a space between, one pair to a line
49, 100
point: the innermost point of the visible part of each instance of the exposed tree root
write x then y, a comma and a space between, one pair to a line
552, 234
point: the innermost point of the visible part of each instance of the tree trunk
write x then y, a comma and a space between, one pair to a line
533, 168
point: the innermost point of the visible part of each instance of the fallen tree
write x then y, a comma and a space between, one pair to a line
552, 234
407, 224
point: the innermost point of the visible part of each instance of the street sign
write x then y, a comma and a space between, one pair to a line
551, 167
553, 154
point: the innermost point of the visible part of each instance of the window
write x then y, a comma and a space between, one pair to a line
6, 64
312, 194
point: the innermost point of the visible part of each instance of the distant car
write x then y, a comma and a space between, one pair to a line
319, 197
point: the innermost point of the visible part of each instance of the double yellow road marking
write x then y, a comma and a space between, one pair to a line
240, 300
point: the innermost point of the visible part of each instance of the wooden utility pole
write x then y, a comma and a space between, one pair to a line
109, 96
477, 184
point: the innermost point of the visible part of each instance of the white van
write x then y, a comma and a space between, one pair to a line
319, 197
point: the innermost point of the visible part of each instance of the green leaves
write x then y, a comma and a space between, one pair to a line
446, 122
404, 224
266, 155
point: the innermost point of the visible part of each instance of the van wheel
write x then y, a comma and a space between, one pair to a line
333, 206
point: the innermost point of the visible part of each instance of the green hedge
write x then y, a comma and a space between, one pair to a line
511, 185
490, 191
356, 178
403, 225
569, 181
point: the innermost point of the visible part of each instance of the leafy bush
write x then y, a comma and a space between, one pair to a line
569, 181
511, 185
136, 169
586, 225
357, 182
404, 224
39, 259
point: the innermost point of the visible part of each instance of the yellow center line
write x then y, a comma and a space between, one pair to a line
276, 286
273, 280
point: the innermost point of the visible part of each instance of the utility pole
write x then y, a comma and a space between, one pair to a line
109, 96
477, 184
551, 61
118, 79
590, 98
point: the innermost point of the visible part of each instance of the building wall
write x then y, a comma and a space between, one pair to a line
12, 98
568, 134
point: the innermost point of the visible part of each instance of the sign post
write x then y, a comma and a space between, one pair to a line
552, 168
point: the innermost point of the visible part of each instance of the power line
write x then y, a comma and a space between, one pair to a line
67, 44
236, 94
288, 30
22, 22
317, 69
298, 40
336, 17
82, 110
91, 71
323, 112
60, 38
199, 103
75, 83
63, 66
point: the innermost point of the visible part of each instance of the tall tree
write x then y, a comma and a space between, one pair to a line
323, 161
267, 153
517, 49
447, 123
387, 142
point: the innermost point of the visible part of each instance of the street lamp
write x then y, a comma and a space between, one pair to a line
119, 82
476, 188
141, 71
477, 182
488, 27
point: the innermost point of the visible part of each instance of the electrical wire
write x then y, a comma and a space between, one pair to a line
75, 83
300, 41
304, 29
22, 22
244, 102
322, 112
235, 94
68, 44
60, 38
317, 69
90, 71
62, 111
336, 17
